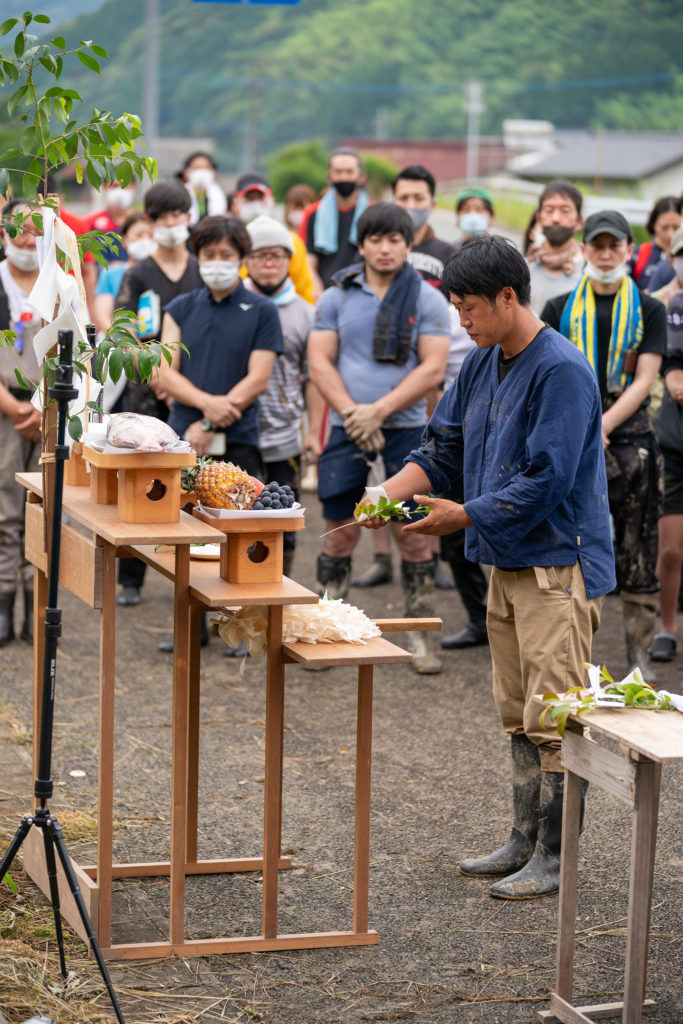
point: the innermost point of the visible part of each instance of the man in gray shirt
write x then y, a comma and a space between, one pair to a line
555, 259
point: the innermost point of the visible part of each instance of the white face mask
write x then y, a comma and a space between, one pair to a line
141, 248
120, 199
219, 274
201, 178
22, 259
474, 223
678, 267
294, 218
171, 237
539, 237
257, 208
605, 276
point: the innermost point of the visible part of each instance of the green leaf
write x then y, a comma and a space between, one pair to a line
75, 428
128, 363
8, 25
15, 99
145, 365
60, 66
19, 44
91, 170
115, 364
4, 179
99, 51
88, 61
42, 19
20, 379
59, 42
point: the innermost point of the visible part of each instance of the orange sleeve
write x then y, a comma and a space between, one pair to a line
299, 270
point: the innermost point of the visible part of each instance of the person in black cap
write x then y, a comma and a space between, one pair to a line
622, 333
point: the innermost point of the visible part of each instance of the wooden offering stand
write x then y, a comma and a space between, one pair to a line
88, 570
647, 739
253, 549
145, 486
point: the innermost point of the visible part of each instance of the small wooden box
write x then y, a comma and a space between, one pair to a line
145, 486
253, 549
75, 470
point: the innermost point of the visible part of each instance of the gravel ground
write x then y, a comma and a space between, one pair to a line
447, 951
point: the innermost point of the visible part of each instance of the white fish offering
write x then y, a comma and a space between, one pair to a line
142, 433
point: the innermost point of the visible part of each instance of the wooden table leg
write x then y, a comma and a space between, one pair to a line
361, 859
644, 838
105, 775
181, 623
193, 733
272, 808
40, 592
568, 885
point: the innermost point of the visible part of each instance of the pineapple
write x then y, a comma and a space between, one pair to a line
220, 484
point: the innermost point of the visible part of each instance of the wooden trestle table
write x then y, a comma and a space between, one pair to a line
88, 564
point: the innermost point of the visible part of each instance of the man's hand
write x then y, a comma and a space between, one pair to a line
199, 439
312, 448
362, 421
370, 524
27, 421
374, 443
221, 410
444, 517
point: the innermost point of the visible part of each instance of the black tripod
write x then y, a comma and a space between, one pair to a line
62, 391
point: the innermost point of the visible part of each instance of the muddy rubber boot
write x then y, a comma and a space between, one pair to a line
640, 613
380, 571
441, 577
417, 579
333, 577
541, 876
27, 627
526, 786
6, 617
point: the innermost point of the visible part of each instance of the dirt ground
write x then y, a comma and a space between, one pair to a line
448, 952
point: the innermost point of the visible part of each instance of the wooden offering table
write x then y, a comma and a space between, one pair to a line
647, 740
88, 570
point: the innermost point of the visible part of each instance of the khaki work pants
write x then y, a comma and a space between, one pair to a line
17, 455
540, 624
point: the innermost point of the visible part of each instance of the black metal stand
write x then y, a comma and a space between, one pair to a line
62, 391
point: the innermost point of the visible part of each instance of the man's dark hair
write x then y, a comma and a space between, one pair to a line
193, 156
384, 219
166, 197
346, 151
484, 265
415, 172
562, 187
215, 229
667, 204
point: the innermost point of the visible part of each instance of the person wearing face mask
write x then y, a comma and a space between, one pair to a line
198, 174
136, 234
650, 265
297, 198
147, 287
554, 256
289, 394
473, 211
328, 226
622, 332
253, 197
19, 420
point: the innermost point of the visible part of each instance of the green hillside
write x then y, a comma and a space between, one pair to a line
329, 68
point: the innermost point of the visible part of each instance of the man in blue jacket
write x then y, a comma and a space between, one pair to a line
523, 427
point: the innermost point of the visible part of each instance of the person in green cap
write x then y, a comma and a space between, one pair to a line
473, 211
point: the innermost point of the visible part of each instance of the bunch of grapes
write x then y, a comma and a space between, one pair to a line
274, 495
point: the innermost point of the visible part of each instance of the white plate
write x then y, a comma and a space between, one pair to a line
211, 551
295, 512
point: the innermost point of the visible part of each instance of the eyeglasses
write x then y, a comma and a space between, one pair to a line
269, 256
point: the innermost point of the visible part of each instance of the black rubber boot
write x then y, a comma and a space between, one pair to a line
526, 785
380, 571
417, 579
6, 617
471, 636
441, 579
27, 628
333, 576
541, 876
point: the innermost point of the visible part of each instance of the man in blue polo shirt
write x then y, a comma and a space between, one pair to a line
232, 338
522, 426
379, 342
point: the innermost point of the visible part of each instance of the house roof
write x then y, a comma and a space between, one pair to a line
582, 154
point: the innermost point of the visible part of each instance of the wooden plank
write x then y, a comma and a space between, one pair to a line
162, 868
656, 734
376, 651
128, 459
560, 1010
105, 769
361, 849
209, 589
640, 887
254, 523
610, 771
80, 564
193, 732
566, 924
407, 625
179, 743
104, 521
33, 851
245, 944
272, 796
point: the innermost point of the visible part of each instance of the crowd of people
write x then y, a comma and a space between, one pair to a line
532, 400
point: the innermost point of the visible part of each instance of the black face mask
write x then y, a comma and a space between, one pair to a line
270, 289
557, 234
345, 188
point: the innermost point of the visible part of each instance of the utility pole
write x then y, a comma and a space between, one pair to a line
473, 108
150, 107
